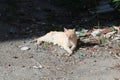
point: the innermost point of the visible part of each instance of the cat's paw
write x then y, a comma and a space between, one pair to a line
69, 53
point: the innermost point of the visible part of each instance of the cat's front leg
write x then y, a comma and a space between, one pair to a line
73, 47
68, 50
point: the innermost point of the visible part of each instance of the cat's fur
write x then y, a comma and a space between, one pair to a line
66, 39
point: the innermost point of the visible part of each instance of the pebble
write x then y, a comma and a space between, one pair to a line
96, 46
15, 57
38, 67
24, 48
117, 37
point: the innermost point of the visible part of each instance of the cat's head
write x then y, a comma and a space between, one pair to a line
70, 33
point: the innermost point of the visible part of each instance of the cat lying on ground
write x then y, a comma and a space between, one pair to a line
66, 39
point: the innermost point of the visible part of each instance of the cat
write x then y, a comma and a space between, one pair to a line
67, 39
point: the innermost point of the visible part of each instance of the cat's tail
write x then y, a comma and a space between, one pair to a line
35, 40
38, 41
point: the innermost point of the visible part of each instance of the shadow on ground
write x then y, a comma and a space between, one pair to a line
33, 19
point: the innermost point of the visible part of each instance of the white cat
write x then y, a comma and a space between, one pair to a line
66, 39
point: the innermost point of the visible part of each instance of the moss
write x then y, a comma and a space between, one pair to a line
115, 4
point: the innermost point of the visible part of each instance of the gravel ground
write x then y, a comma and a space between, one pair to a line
48, 62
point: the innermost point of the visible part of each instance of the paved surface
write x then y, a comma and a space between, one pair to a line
16, 64
48, 62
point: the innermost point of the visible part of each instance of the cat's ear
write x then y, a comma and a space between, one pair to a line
74, 29
65, 29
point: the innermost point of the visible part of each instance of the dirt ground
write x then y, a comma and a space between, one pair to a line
48, 62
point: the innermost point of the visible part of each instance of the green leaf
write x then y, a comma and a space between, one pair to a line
80, 33
115, 0
80, 55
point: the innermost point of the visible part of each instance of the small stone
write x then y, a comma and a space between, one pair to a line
110, 52
71, 72
38, 67
31, 57
15, 57
9, 65
25, 48
96, 46
95, 61
23, 66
